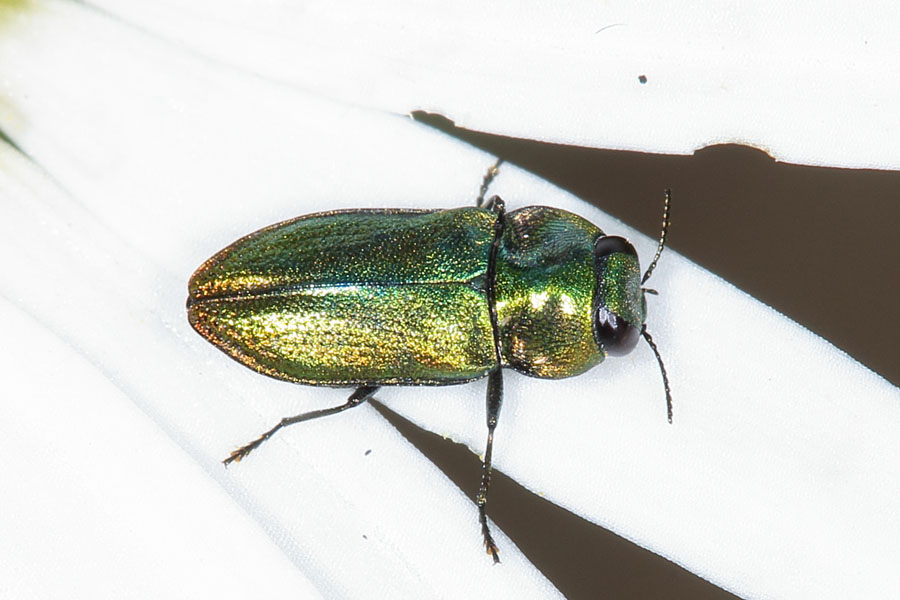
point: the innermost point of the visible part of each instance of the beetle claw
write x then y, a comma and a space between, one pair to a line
238, 454
489, 545
492, 549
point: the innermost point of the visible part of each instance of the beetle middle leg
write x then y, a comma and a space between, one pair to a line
494, 401
486, 182
360, 395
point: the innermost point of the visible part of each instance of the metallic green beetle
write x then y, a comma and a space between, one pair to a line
367, 298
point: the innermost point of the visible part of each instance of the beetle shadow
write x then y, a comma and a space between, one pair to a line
577, 556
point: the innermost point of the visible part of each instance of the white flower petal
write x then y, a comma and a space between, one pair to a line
768, 477
807, 85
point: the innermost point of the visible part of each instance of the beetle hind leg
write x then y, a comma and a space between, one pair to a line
360, 395
494, 401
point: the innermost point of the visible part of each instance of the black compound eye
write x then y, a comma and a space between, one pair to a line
611, 244
613, 333
617, 336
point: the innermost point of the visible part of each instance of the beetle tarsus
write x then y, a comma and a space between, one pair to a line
489, 545
242, 452
486, 182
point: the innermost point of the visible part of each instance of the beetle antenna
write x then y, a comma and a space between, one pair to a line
486, 182
662, 237
662, 369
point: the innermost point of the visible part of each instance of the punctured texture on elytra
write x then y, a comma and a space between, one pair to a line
354, 297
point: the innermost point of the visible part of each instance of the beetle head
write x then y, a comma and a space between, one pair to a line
619, 306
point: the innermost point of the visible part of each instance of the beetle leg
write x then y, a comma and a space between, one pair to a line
494, 401
495, 204
360, 395
486, 182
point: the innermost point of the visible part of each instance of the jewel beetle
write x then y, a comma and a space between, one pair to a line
370, 298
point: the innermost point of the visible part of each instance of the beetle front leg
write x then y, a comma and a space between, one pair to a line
360, 395
494, 401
